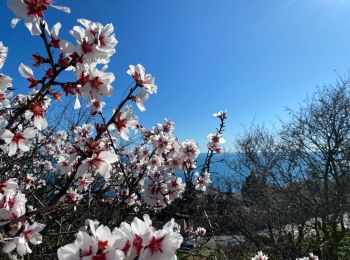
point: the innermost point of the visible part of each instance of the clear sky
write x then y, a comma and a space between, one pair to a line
253, 58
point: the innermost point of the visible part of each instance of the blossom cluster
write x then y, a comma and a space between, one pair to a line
138, 240
195, 233
95, 161
13, 206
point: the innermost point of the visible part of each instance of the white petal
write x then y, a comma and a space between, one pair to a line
56, 29
33, 26
66, 46
108, 156
124, 133
84, 22
7, 136
14, 22
62, 8
40, 122
25, 71
12, 148
10, 246
24, 145
29, 133
18, 7
22, 247
103, 169
77, 102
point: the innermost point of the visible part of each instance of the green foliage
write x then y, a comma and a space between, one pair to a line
335, 245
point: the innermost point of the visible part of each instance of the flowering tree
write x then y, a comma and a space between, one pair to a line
79, 193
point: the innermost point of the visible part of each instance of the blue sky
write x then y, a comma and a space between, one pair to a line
253, 58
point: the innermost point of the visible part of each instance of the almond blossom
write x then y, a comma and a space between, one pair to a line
12, 203
32, 12
123, 121
54, 40
214, 142
95, 84
260, 256
189, 149
146, 81
10, 186
221, 115
96, 245
85, 181
96, 106
20, 243
161, 244
140, 97
37, 112
72, 196
201, 181
19, 140
87, 166
200, 232
100, 163
95, 43
28, 74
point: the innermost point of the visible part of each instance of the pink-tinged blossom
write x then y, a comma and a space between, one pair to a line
37, 112
139, 240
95, 84
100, 163
146, 81
260, 256
20, 243
161, 244
200, 232
221, 115
29, 180
84, 182
131, 199
101, 38
214, 142
54, 40
19, 140
201, 181
123, 121
72, 196
32, 12
156, 191
9, 187
28, 74
141, 231
189, 150
176, 188
83, 131
12, 205
99, 243
96, 106
95, 42
3, 54
141, 97
82, 247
